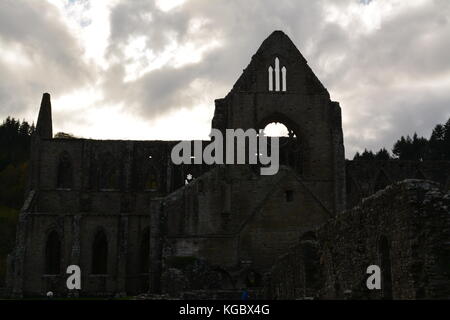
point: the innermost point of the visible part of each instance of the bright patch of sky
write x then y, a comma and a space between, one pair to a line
276, 130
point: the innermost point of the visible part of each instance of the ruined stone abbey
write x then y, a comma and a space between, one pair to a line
123, 212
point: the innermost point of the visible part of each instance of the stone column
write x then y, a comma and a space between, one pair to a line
127, 159
19, 258
338, 159
156, 225
169, 169
76, 251
122, 256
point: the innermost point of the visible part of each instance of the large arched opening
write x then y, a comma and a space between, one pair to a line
290, 144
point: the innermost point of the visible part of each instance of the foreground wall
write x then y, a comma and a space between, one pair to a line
404, 229
365, 177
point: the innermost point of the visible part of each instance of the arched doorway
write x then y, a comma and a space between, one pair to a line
100, 253
53, 254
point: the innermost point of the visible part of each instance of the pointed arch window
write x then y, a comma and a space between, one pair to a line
100, 253
289, 144
277, 77
65, 172
108, 172
151, 181
270, 78
53, 254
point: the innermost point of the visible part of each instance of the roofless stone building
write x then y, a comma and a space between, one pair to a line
123, 212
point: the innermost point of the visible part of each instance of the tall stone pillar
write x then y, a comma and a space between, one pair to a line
19, 259
155, 265
44, 125
122, 256
76, 251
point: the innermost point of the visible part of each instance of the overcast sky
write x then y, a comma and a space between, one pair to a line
140, 69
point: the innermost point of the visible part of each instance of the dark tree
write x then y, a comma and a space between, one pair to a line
415, 148
408, 148
446, 142
15, 140
366, 155
382, 155
436, 144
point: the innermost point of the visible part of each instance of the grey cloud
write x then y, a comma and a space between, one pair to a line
369, 73
388, 80
241, 26
35, 28
367, 79
405, 112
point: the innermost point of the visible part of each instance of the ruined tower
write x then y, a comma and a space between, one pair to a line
279, 86
44, 126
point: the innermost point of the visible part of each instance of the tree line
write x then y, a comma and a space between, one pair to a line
15, 140
415, 148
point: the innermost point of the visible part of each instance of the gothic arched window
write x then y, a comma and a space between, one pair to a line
289, 144
277, 77
108, 172
53, 254
100, 253
145, 251
151, 181
65, 172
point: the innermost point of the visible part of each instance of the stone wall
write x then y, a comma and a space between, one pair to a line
230, 216
363, 178
237, 220
404, 228
305, 108
124, 211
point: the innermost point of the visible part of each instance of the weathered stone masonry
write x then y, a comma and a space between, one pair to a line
122, 211
404, 229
